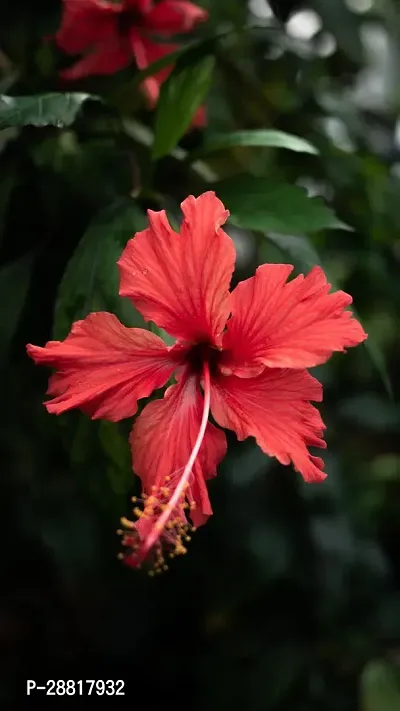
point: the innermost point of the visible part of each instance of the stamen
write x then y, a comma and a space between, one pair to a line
167, 512
172, 539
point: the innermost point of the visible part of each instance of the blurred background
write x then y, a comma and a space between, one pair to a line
289, 597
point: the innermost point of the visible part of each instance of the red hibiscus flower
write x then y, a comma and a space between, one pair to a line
241, 356
111, 34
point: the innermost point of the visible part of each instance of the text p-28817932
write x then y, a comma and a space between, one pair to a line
82, 687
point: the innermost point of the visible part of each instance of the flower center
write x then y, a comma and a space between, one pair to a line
129, 17
203, 354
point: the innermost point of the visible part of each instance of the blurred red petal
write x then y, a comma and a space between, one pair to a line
85, 23
103, 368
274, 408
200, 118
146, 51
174, 16
181, 281
107, 58
293, 325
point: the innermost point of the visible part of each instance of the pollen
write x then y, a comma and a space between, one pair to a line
173, 537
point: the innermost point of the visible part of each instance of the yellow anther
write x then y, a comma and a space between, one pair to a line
180, 549
128, 524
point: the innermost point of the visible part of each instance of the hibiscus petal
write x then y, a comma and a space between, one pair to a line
163, 438
172, 16
181, 281
146, 52
274, 408
85, 23
106, 58
103, 367
293, 325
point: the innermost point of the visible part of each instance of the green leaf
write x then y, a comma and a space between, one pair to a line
261, 204
168, 340
380, 690
15, 280
258, 138
116, 448
91, 280
304, 255
100, 458
180, 97
114, 445
53, 109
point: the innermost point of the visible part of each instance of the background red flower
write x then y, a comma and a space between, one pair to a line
110, 35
